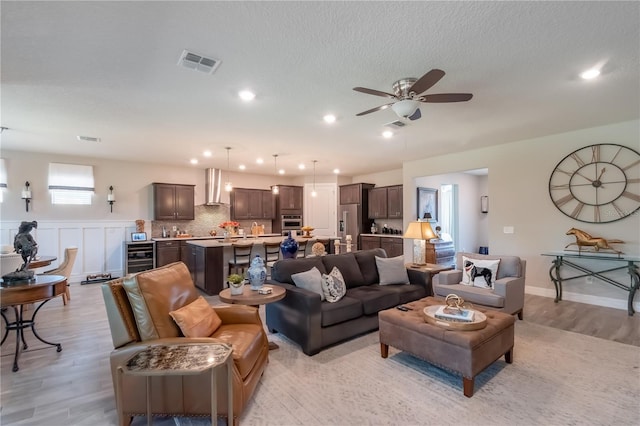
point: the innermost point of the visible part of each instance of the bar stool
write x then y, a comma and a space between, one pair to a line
302, 249
271, 255
326, 242
241, 257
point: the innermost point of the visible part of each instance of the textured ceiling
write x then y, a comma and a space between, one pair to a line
108, 69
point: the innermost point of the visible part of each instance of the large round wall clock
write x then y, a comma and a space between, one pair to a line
597, 183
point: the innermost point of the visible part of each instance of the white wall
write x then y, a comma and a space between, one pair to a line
518, 180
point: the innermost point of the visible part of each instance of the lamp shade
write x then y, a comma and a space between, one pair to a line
405, 108
419, 231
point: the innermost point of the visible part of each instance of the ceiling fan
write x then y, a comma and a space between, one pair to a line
408, 95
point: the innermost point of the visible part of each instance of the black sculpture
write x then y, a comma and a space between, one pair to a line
26, 246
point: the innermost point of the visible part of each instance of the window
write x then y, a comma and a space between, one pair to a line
3, 178
70, 183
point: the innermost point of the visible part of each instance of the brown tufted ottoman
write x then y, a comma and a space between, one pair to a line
464, 352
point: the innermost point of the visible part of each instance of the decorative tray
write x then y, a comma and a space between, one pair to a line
479, 320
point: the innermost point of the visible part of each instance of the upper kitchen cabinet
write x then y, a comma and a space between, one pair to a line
394, 202
173, 201
385, 202
251, 204
290, 199
354, 193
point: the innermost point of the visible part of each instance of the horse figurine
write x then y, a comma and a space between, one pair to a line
583, 239
26, 246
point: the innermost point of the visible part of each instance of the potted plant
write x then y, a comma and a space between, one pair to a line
236, 282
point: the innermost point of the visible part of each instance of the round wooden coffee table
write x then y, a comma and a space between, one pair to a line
253, 298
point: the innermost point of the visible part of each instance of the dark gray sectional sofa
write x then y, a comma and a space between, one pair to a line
316, 324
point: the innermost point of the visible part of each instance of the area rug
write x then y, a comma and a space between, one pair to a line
557, 378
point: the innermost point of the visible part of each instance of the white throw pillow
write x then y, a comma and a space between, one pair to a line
309, 280
484, 272
333, 286
392, 270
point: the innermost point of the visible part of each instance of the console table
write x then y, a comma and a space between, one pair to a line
617, 263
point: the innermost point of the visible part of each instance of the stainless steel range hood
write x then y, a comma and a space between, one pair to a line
213, 184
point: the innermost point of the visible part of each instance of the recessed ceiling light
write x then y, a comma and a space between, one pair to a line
590, 74
207, 153
301, 166
259, 161
242, 167
194, 161
281, 171
387, 134
246, 95
336, 171
329, 118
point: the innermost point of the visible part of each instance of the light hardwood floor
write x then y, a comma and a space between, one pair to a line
74, 387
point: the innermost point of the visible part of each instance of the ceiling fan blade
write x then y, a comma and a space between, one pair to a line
374, 92
447, 97
375, 109
426, 81
415, 115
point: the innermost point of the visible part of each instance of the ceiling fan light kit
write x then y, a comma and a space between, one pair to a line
405, 108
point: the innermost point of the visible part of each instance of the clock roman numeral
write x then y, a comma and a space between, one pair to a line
576, 212
596, 214
577, 159
595, 153
631, 165
631, 195
618, 209
634, 180
563, 186
565, 172
564, 200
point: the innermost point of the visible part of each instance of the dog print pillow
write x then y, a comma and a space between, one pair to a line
479, 272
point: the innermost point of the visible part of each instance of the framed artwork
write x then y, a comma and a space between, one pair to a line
427, 203
138, 236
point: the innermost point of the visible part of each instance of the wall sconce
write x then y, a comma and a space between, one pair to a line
111, 198
26, 194
484, 204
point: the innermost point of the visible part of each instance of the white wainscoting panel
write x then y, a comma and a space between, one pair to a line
100, 244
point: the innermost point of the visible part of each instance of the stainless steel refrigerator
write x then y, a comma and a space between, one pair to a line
352, 221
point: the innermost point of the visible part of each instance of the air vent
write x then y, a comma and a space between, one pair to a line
396, 123
198, 62
88, 139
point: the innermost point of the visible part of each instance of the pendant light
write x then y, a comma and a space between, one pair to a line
274, 188
314, 193
227, 185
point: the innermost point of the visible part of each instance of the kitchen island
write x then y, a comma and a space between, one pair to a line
210, 263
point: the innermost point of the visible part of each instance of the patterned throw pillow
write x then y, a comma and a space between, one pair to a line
479, 272
333, 286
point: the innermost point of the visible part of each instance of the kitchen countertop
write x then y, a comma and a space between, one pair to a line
260, 240
382, 235
217, 237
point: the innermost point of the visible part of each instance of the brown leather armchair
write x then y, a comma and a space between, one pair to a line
161, 291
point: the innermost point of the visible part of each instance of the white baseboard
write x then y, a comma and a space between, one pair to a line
583, 298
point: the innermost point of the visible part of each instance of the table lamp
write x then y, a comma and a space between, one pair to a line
419, 231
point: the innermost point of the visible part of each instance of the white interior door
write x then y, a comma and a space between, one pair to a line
320, 211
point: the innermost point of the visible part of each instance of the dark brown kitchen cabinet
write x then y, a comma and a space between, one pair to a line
188, 256
350, 194
392, 246
173, 201
394, 202
378, 203
167, 252
368, 243
290, 199
251, 204
208, 264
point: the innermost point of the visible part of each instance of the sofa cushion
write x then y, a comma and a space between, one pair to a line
367, 261
392, 270
156, 292
473, 295
481, 279
347, 265
374, 298
247, 341
344, 309
282, 270
197, 319
333, 286
407, 292
309, 280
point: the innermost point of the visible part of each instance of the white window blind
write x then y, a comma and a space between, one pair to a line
70, 183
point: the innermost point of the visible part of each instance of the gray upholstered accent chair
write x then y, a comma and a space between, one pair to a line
507, 294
